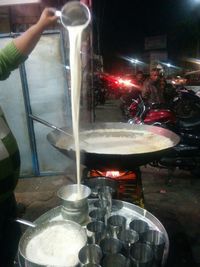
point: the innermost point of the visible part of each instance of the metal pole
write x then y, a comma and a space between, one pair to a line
27, 105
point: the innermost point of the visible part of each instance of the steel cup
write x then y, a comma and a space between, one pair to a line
110, 245
98, 183
98, 214
90, 254
128, 237
74, 202
114, 260
96, 231
116, 206
105, 195
116, 223
156, 240
141, 255
139, 226
101, 204
74, 13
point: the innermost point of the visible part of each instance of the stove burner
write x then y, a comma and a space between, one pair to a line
129, 183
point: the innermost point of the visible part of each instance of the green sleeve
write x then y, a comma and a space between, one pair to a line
10, 59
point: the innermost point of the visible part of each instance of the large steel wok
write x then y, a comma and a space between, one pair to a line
96, 160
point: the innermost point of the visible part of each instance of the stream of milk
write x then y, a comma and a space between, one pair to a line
75, 35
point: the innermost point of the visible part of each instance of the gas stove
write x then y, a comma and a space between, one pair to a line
129, 183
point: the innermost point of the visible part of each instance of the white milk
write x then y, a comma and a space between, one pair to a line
119, 142
75, 34
56, 245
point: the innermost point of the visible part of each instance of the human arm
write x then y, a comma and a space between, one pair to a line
10, 58
26, 42
17, 51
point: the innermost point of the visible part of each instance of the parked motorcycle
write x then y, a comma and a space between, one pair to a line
185, 103
155, 114
186, 155
126, 101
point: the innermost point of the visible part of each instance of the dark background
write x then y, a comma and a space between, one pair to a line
120, 27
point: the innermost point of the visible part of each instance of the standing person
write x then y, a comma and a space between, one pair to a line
134, 92
162, 84
11, 56
151, 92
139, 79
169, 92
137, 85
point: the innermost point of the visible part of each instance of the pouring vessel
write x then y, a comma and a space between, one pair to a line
73, 14
74, 199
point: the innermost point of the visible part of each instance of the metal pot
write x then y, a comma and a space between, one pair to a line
98, 183
73, 14
74, 209
30, 233
119, 161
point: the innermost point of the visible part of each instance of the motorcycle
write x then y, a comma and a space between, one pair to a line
126, 101
155, 114
185, 103
185, 155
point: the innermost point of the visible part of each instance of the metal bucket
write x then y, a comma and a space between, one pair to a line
75, 209
26, 261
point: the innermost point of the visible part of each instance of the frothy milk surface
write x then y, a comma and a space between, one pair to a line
117, 141
55, 246
74, 197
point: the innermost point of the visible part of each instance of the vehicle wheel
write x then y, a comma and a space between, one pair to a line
186, 109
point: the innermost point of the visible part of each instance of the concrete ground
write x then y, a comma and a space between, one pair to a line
176, 206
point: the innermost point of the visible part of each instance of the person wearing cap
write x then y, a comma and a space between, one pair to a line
151, 92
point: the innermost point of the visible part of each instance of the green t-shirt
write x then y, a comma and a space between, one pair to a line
10, 58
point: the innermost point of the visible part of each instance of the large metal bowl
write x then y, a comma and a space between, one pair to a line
128, 210
30, 233
119, 161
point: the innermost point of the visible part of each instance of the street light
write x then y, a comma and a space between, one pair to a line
168, 68
135, 61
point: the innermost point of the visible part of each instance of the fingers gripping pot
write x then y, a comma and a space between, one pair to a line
75, 202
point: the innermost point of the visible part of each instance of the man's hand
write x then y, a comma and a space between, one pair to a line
47, 18
28, 40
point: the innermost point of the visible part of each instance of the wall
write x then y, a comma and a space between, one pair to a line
45, 84
41, 87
